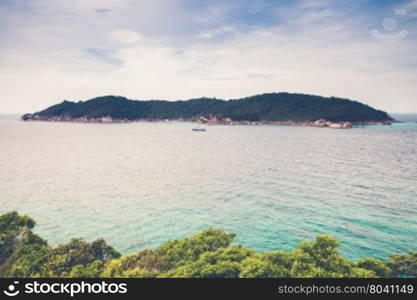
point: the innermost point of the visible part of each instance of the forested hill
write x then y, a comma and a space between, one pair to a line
265, 107
211, 253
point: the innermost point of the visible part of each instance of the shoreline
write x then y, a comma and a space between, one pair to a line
212, 121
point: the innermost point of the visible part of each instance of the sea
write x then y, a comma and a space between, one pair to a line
138, 185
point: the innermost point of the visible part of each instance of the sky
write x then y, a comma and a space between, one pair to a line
52, 50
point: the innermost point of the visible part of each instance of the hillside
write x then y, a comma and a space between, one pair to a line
211, 253
274, 107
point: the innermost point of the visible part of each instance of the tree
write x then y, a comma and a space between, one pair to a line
22, 252
222, 263
207, 254
264, 107
146, 263
321, 259
403, 265
12, 229
76, 252
177, 252
378, 267
92, 270
261, 266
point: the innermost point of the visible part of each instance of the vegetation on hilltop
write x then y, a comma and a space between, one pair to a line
265, 107
207, 254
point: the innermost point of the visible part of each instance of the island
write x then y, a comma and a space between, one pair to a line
272, 108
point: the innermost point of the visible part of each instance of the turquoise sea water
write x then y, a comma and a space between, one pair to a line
138, 185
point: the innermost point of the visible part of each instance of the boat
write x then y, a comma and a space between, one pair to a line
199, 129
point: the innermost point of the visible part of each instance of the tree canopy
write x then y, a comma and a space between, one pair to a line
264, 107
210, 253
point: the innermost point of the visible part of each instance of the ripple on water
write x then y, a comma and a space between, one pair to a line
138, 185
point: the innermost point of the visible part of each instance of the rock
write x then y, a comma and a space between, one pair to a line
107, 119
340, 125
227, 121
320, 123
202, 119
335, 125
347, 125
210, 120
26, 117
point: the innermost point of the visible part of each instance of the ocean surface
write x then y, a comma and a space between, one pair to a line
138, 185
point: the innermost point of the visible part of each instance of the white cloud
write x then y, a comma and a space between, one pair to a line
319, 55
123, 36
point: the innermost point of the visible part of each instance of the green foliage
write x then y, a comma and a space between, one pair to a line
265, 107
261, 266
319, 259
207, 254
74, 253
378, 267
26, 261
12, 222
220, 263
92, 270
403, 265
25, 254
146, 263
12, 230
21, 251
177, 252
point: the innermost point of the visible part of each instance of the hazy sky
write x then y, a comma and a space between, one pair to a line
51, 50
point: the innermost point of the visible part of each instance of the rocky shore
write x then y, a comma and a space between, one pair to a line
107, 119
322, 123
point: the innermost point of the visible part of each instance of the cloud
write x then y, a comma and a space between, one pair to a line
103, 55
184, 49
126, 37
102, 10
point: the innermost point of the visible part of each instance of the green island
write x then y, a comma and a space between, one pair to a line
207, 254
272, 108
